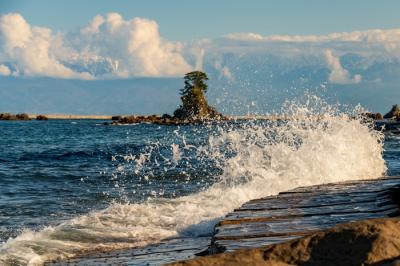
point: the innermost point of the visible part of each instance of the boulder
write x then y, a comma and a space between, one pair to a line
166, 116
393, 113
374, 116
368, 242
7, 116
41, 117
23, 116
116, 117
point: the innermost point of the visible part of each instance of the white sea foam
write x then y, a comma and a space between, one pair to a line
317, 147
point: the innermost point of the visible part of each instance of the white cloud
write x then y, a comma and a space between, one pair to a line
133, 47
370, 36
29, 49
244, 36
366, 42
4, 70
122, 48
110, 46
224, 71
338, 74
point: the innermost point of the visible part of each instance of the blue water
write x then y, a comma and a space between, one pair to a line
52, 171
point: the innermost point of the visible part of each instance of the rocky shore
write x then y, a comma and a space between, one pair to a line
8, 116
163, 120
369, 242
350, 223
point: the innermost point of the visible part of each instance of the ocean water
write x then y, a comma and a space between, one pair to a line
72, 186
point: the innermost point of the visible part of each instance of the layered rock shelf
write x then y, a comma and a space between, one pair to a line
275, 221
302, 211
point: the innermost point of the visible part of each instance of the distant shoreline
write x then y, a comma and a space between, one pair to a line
69, 116
269, 117
109, 117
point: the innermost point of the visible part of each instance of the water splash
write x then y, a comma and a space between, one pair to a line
318, 144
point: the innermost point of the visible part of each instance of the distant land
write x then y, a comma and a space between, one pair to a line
71, 116
161, 95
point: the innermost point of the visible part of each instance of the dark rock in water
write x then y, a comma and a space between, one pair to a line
129, 120
378, 116
41, 117
393, 113
23, 116
166, 116
116, 117
8, 116
374, 116
388, 126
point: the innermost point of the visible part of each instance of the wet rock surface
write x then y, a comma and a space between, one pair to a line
393, 113
302, 211
286, 230
369, 242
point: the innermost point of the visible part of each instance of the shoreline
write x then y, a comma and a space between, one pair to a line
109, 117
338, 214
71, 116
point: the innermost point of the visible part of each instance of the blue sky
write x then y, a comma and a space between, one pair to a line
188, 20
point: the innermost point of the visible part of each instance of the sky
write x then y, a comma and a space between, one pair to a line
256, 53
189, 20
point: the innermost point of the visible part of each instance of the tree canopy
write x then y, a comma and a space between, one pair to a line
194, 80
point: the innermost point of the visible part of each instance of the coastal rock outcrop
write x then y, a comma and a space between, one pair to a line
8, 116
393, 113
373, 116
41, 118
193, 110
368, 242
194, 103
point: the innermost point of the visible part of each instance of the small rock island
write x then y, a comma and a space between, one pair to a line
193, 110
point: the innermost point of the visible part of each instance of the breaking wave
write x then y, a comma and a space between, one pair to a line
318, 144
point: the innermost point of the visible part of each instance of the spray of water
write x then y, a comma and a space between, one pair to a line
318, 144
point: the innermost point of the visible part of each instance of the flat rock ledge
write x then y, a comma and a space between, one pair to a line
368, 242
350, 223
333, 224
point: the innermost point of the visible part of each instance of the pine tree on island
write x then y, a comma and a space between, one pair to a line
194, 107
194, 103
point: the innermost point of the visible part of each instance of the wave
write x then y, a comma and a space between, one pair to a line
257, 160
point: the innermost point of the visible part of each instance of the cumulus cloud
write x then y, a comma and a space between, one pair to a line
108, 46
371, 36
338, 74
133, 47
128, 47
364, 42
28, 49
111, 46
4, 70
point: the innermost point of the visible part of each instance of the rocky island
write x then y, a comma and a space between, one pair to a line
20, 117
193, 110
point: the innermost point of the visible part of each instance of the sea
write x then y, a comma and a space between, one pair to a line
73, 186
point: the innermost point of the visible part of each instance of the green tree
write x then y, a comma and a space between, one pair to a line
194, 80
194, 102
